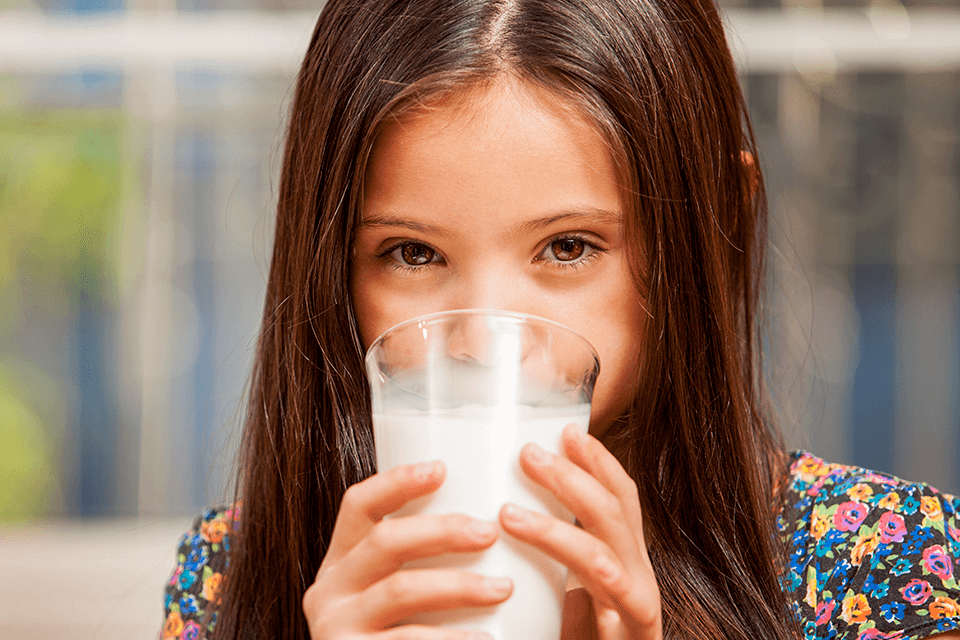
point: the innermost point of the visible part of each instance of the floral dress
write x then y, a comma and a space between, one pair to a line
193, 592
870, 557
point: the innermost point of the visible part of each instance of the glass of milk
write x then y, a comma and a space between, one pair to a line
470, 388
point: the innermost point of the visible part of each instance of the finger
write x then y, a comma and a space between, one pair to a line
589, 454
598, 510
395, 541
365, 503
635, 593
404, 593
423, 632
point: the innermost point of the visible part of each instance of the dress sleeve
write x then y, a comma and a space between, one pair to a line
872, 557
192, 593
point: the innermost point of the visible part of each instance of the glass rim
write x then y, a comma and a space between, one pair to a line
498, 313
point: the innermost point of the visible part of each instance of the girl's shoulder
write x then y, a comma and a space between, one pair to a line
192, 594
869, 555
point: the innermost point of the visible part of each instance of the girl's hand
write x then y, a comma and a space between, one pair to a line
608, 555
360, 590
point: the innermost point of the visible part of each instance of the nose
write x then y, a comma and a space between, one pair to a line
491, 286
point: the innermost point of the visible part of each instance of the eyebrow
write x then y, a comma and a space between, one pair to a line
591, 214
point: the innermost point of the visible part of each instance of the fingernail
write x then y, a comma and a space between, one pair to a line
498, 586
515, 513
425, 470
481, 529
536, 453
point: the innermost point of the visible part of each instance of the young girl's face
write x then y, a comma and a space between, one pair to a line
503, 199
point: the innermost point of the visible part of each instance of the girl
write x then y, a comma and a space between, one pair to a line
589, 161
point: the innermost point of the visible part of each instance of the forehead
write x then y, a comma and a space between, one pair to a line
490, 127
494, 107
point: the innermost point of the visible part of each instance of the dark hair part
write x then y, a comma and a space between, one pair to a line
657, 79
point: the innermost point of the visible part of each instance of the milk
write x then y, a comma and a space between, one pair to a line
480, 447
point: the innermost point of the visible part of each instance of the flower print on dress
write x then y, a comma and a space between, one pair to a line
875, 590
917, 591
937, 562
875, 634
191, 631
930, 508
910, 505
890, 501
855, 609
824, 611
173, 625
849, 516
892, 527
187, 578
943, 607
892, 611
871, 578
902, 567
917, 540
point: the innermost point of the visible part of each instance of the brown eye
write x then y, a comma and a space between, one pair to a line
567, 249
417, 254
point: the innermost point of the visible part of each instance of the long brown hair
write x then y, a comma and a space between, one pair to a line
657, 79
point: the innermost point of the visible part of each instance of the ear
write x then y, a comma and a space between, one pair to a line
753, 173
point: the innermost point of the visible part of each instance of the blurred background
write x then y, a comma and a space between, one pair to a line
139, 148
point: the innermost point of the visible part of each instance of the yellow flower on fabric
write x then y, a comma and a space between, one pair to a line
819, 525
214, 530
863, 547
855, 609
943, 607
890, 501
811, 598
812, 467
860, 492
173, 625
211, 588
930, 506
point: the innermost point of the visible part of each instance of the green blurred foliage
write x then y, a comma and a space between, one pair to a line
60, 190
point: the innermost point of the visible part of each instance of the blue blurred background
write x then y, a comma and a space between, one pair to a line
139, 148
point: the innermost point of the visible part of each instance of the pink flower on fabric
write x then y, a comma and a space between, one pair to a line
892, 527
849, 516
874, 634
917, 592
825, 611
936, 561
191, 631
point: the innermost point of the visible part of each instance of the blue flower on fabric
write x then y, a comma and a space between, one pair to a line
188, 605
196, 559
902, 567
910, 505
810, 630
187, 578
841, 570
874, 589
918, 537
946, 624
831, 632
831, 538
892, 611
196, 541
794, 581
167, 601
